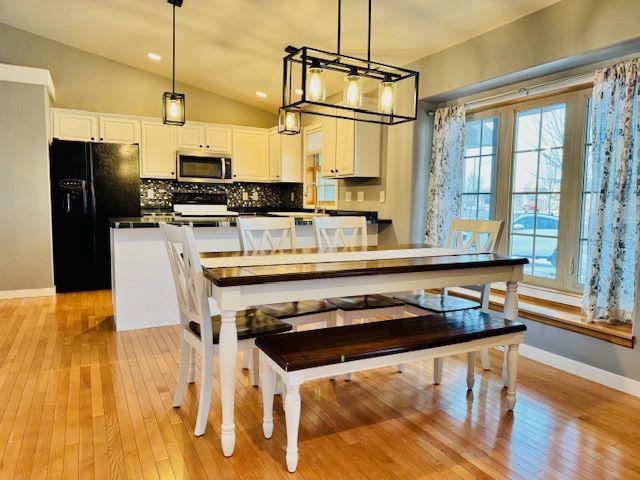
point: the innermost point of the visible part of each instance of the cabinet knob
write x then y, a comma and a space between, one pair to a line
207, 146
200, 146
234, 176
332, 171
101, 139
173, 173
92, 138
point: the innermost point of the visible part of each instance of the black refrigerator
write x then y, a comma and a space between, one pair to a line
90, 183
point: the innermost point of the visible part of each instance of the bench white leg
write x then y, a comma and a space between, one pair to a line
333, 319
268, 391
505, 366
471, 365
512, 361
347, 320
510, 313
437, 370
228, 357
484, 359
400, 366
183, 375
204, 401
255, 366
292, 417
193, 357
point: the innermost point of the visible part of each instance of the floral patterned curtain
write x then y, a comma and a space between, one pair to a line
614, 212
445, 179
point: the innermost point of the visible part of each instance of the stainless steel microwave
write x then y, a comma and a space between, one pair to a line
203, 167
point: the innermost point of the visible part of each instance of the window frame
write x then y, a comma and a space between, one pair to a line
572, 178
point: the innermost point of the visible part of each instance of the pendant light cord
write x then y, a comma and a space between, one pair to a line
369, 39
173, 85
339, 23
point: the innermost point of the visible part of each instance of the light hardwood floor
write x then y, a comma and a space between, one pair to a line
78, 400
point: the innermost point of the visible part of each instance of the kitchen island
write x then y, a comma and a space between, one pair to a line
141, 283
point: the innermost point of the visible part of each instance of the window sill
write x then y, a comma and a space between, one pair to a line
557, 315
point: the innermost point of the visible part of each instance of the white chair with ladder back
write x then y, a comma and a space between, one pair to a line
478, 236
334, 232
199, 329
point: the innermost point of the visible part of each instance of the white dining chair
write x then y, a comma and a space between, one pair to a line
199, 329
334, 232
475, 235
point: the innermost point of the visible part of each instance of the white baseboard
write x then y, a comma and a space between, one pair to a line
595, 374
32, 292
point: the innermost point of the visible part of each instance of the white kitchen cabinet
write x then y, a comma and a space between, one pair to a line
350, 149
157, 150
250, 155
190, 136
79, 126
285, 157
218, 138
119, 130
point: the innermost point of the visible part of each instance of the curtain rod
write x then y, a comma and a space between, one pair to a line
526, 91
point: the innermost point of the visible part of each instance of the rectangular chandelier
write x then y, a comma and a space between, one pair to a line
331, 84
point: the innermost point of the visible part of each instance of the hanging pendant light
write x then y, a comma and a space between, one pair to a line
319, 77
289, 121
173, 104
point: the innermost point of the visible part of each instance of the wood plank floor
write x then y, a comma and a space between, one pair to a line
78, 400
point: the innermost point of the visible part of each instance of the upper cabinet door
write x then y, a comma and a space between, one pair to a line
119, 130
218, 139
157, 150
190, 137
75, 126
291, 158
250, 155
328, 164
275, 156
345, 147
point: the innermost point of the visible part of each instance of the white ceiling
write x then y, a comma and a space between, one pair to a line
235, 47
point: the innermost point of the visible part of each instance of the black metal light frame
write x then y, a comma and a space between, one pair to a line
172, 95
304, 56
282, 121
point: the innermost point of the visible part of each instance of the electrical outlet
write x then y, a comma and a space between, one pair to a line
245, 196
347, 196
293, 197
254, 196
361, 196
383, 196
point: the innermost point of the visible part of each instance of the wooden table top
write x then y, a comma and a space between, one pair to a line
256, 274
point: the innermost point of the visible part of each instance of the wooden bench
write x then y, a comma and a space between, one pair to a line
309, 355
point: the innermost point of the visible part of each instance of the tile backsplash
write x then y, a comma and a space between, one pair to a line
159, 193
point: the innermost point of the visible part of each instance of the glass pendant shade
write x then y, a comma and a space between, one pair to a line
352, 93
316, 88
289, 121
387, 96
173, 108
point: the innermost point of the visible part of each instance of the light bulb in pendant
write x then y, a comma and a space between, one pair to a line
387, 96
316, 90
352, 94
173, 108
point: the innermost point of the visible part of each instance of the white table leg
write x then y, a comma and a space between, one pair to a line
228, 358
510, 313
437, 370
471, 366
512, 362
484, 359
268, 388
292, 418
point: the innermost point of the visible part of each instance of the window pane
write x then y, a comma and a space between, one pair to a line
523, 213
582, 268
552, 134
486, 174
470, 183
472, 138
484, 206
528, 130
525, 172
489, 135
522, 246
546, 254
550, 172
586, 199
469, 206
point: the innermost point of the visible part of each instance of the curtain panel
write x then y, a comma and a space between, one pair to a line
614, 211
445, 179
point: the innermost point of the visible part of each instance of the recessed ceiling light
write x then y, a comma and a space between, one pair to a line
299, 91
261, 94
154, 56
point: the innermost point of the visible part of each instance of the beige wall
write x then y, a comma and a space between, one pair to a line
89, 82
25, 224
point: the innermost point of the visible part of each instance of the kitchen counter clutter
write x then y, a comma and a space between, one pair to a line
142, 291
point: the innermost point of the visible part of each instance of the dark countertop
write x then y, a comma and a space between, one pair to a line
151, 220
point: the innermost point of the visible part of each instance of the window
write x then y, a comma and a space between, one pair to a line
314, 182
586, 199
479, 168
537, 178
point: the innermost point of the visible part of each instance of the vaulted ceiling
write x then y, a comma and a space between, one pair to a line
235, 47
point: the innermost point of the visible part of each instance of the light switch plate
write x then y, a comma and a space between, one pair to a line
254, 196
361, 196
347, 196
383, 196
245, 196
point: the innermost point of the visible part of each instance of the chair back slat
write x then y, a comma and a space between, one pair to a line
333, 232
188, 277
476, 235
267, 233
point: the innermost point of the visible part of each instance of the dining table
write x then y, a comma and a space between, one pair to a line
241, 280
